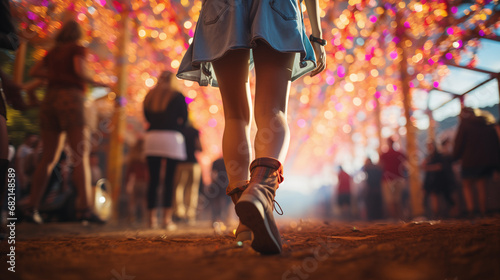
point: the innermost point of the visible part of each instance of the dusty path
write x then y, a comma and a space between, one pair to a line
313, 250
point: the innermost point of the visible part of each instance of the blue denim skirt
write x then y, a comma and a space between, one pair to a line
226, 25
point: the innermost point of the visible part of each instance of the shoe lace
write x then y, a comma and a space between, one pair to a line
275, 209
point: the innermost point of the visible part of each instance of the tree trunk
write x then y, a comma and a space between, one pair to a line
416, 197
115, 156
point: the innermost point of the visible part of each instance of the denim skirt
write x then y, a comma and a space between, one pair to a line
226, 25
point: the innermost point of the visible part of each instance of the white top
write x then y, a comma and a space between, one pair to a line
165, 143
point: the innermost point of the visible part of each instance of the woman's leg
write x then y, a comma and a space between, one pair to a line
273, 72
154, 164
4, 154
193, 190
53, 143
255, 206
4, 139
180, 184
434, 200
168, 193
468, 197
141, 190
78, 140
481, 194
132, 202
232, 75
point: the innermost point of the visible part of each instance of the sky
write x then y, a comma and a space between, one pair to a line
461, 80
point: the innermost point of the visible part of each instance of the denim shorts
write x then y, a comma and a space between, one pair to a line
226, 25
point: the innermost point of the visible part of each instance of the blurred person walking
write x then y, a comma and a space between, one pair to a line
9, 41
344, 194
451, 192
437, 180
165, 110
30, 164
477, 146
219, 201
137, 178
373, 190
62, 118
187, 177
22, 161
393, 182
228, 34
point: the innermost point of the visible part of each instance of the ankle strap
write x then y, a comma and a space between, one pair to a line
270, 163
237, 187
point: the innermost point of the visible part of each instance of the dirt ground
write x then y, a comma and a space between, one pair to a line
454, 249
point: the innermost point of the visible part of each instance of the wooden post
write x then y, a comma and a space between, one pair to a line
416, 196
19, 63
115, 155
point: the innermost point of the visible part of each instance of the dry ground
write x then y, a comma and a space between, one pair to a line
312, 250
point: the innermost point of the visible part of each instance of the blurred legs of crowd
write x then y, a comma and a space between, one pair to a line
187, 182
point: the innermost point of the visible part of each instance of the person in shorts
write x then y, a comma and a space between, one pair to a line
393, 164
477, 147
231, 37
62, 117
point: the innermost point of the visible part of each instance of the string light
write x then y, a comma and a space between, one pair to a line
363, 46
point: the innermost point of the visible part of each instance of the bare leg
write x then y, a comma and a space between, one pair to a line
232, 75
80, 148
53, 143
434, 199
469, 199
481, 194
180, 182
193, 191
167, 218
153, 218
4, 141
142, 201
132, 202
4, 154
273, 71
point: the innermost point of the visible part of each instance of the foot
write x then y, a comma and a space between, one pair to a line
243, 233
171, 226
255, 206
191, 222
234, 190
266, 237
33, 216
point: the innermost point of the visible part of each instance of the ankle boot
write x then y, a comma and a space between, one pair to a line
243, 233
255, 206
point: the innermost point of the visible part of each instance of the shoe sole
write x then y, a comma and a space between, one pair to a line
251, 213
244, 236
